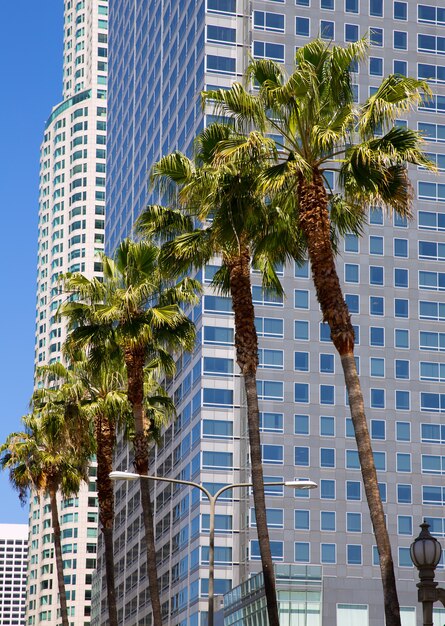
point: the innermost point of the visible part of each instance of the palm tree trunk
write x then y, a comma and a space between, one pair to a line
135, 361
246, 343
58, 552
105, 437
315, 225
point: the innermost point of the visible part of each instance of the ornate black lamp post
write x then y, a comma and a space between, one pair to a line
425, 554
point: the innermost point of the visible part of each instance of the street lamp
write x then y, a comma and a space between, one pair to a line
294, 484
425, 554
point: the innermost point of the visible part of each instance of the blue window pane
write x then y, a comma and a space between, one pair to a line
401, 307
400, 67
327, 426
301, 299
351, 32
382, 491
353, 490
327, 394
353, 302
375, 67
352, 461
217, 459
325, 332
302, 26
376, 245
268, 50
327, 4
377, 336
217, 397
405, 557
351, 242
404, 495
375, 275
301, 392
353, 522
380, 461
354, 554
302, 550
327, 489
402, 400
327, 457
272, 454
301, 361
327, 30
220, 64
403, 431
377, 398
327, 520
301, 424
271, 422
301, 520
328, 553
378, 429
301, 456
376, 8
301, 330
349, 428
400, 40
400, 10
221, 34
351, 273
400, 277
376, 305
401, 248
377, 367
403, 462
405, 525
401, 338
351, 6
327, 363
301, 271
276, 547
376, 36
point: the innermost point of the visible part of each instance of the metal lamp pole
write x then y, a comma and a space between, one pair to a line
425, 554
296, 484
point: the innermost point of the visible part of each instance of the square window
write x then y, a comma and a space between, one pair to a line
327, 30
328, 553
353, 302
403, 431
376, 212
327, 520
377, 367
378, 429
375, 275
301, 299
301, 424
400, 277
326, 363
327, 489
351, 273
351, 243
405, 525
351, 32
301, 520
400, 11
327, 457
376, 336
351, 6
302, 26
401, 308
354, 554
301, 392
353, 490
401, 248
403, 462
375, 66
400, 40
376, 305
353, 522
301, 330
405, 557
377, 398
327, 426
375, 245
376, 36
376, 8
301, 456
404, 494
401, 338
327, 394
402, 400
401, 369
400, 67
352, 460
301, 271
301, 361
302, 550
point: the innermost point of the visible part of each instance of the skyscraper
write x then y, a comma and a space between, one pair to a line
162, 55
71, 233
13, 560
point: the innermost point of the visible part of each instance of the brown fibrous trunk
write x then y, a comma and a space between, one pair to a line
58, 554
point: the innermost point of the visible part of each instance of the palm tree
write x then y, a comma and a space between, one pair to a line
101, 401
320, 129
237, 224
43, 459
137, 311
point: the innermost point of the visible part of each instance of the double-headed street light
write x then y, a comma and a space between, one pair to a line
295, 484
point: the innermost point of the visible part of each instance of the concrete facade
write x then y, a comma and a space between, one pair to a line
13, 562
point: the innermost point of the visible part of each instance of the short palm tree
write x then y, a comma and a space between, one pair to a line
222, 212
42, 459
320, 128
137, 311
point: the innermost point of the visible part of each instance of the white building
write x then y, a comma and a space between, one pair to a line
13, 557
71, 234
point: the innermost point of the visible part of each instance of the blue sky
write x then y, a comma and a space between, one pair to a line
31, 39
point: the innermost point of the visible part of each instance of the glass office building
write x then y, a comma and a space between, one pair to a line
70, 236
162, 54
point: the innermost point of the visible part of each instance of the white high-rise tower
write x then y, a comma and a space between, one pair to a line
71, 233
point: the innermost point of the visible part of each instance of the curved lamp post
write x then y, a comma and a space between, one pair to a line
425, 554
295, 484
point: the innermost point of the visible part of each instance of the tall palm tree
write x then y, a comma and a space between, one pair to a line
222, 212
101, 402
320, 129
137, 311
43, 459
